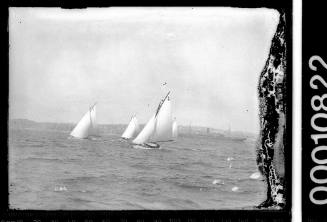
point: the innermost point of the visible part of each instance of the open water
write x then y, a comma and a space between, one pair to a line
49, 171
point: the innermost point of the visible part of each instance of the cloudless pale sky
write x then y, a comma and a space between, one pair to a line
62, 61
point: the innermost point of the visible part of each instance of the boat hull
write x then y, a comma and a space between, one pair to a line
238, 139
147, 146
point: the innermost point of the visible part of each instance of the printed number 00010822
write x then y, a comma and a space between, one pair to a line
319, 108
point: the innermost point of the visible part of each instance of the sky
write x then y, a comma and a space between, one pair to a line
62, 61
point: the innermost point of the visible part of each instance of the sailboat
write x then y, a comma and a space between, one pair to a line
175, 129
86, 127
131, 129
158, 128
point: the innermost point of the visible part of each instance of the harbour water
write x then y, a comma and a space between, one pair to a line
50, 171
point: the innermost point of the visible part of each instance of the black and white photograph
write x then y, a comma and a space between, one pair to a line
148, 108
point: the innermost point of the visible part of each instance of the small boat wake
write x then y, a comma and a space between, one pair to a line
60, 188
218, 182
235, 189
94, 138
256, 176
88, 138
122, 140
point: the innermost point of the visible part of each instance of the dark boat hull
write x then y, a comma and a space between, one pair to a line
147, 146
238, 139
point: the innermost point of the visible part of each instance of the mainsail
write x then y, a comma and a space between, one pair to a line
163, 130
175, 132
131, 129
147, 131
93, 129
159, 127
87, 125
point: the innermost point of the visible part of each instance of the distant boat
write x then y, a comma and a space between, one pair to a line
86, 127
190, 128
234, 138
175, 129
158, 129
131, 129
237, 138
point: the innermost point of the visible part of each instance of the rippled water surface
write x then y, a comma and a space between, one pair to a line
47, 170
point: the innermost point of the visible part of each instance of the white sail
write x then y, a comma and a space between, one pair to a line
175, 132
131, 129
93, 128
86, 126
159, 127
147, 131
163, 129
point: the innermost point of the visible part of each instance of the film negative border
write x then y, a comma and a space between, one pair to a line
201, 215
314, 113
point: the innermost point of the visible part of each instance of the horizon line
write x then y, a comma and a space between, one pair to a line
127, 124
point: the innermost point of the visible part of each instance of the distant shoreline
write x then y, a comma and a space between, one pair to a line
26, 123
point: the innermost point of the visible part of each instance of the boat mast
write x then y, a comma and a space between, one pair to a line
90, 110
91, 107
161, 102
